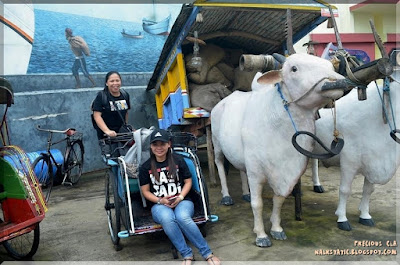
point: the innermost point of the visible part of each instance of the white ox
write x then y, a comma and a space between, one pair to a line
369, 149
254, 132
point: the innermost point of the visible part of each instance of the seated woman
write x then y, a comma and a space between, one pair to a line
165, 181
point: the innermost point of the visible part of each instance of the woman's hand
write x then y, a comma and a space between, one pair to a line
111, 133
171, 202
175, 201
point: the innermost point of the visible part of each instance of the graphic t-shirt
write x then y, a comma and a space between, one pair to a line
109, 112
165, 186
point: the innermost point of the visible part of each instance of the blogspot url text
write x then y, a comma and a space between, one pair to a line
355, 252
373, 250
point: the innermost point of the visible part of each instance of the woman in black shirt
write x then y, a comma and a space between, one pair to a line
165, 181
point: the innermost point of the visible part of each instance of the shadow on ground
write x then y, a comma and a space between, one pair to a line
75, 227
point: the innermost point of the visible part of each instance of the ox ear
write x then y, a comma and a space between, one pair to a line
271, 77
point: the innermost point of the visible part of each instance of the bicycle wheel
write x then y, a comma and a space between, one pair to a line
42, 167
24, 246
74, 162
113, 209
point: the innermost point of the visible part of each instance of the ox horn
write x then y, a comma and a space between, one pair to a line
279, 57
289, 32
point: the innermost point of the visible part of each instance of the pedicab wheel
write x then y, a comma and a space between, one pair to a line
113, 209
124, 210
203, 229
43, 169
24, 246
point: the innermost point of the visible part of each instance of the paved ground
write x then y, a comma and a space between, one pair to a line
75, 227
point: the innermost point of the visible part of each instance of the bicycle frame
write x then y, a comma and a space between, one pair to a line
49, 155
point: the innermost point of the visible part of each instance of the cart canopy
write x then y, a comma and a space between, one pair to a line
256, 28
6, 92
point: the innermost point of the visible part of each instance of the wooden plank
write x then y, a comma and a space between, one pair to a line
210, 156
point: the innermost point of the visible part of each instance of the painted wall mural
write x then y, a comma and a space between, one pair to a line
123, 37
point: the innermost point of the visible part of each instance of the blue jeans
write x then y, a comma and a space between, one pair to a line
178, 222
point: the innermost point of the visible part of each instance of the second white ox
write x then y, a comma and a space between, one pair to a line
254, 132
369, 149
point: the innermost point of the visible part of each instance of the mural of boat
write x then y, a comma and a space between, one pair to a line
133, 36
18, 25
156, 27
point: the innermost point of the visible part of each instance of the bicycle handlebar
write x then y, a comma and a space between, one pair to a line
69, 131
119, 137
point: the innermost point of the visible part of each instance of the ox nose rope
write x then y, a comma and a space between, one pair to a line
336, 145
386, 89
286, 105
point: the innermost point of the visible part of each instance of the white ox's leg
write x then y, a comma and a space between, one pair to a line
344, 193
219, 162
245, 186
276, 228
262, 239
315, 177
365, 218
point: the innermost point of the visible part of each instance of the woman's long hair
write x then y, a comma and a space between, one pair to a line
108, 76
171, 165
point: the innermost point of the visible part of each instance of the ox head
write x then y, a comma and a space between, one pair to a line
302, 77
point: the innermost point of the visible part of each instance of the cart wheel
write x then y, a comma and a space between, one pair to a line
174, 252
23, 247
113, 209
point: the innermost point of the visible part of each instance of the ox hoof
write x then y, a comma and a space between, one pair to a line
319, 189
278, 235
246, 198
367, 222
344, 226
263, 242
227, 200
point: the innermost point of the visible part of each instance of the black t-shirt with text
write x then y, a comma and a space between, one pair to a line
109, 112
166, 186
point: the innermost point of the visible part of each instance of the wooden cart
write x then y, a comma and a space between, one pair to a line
254, 28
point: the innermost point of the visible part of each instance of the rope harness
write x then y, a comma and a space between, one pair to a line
346, 64
386, 91
336, 145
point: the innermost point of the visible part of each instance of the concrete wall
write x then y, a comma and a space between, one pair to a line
39, 82
42, 103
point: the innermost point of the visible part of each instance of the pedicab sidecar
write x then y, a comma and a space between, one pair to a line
22, 206
127, 210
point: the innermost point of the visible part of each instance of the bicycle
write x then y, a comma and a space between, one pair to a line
70, 168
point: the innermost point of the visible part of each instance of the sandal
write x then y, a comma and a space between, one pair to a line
187, 261
213, 260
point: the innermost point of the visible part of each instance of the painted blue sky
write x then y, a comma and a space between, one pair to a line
123, 12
